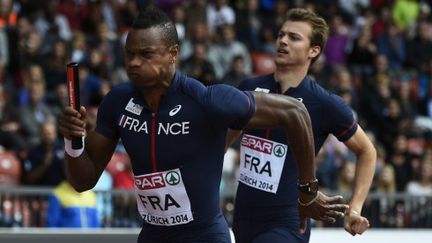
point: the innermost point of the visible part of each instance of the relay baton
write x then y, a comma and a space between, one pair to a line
74, 96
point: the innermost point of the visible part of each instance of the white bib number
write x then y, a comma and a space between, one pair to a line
162, 198
261, 163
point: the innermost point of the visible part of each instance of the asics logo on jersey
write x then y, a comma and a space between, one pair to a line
175, 110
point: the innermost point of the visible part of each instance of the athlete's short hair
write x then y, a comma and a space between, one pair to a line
154, 17
320, 29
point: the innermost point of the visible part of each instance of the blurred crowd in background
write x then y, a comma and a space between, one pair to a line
378, 58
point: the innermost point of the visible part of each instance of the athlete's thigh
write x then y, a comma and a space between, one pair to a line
281, 235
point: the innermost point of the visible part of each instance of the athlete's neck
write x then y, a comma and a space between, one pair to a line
290, 76
153, 95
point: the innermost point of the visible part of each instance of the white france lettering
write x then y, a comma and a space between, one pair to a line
128, 122
174, 128
133, 124
143, 127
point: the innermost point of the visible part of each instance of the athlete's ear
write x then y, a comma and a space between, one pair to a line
174, 52
314, 52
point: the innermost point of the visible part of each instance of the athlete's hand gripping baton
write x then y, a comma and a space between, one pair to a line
74, 96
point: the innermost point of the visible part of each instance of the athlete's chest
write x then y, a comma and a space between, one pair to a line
165, 137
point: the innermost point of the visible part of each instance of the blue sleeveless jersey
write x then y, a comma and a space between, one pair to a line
187, 132
329, 115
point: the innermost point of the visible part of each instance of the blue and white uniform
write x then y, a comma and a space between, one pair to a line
177, 154
266, 202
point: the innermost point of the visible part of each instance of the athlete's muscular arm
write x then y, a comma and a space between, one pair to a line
84, 171
360, 144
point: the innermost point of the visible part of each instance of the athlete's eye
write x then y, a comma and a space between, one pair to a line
294, 37
147, 54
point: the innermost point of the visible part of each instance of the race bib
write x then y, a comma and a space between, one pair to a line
162, 198
261, 163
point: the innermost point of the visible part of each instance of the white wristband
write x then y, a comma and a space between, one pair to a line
73, 152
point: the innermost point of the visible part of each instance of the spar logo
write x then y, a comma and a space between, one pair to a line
172, 178
152, 181
157, 180
257, 144
279, 150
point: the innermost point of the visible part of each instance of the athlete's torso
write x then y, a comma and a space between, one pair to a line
329, 115
176, 152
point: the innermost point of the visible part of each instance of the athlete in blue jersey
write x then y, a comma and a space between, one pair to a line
174, 130
267, 196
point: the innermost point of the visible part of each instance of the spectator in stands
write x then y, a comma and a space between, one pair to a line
335, 50
52, 25
34, 113
267, 40
32, 74
78, 50
404, 97
419, 50
343, 82
69, 208
375, 102
59, 100
386, 180
329, 160
10, 127
401, 161
319, 70
196, 33
236, 73
423, 184
392, 44
346, 175
44, 163
91, 86
29, 43
222, 54
248, 24
179, 19
424, 91
197, 66
363, 52
196, 12
54, 65
220, 13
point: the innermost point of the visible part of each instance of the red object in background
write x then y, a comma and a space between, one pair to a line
121, 171
10, 169
262, 63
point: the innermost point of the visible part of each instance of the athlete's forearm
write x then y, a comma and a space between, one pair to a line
365, 170
301, 140
84, 171
81, 179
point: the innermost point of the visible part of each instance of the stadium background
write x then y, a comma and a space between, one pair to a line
378, 58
